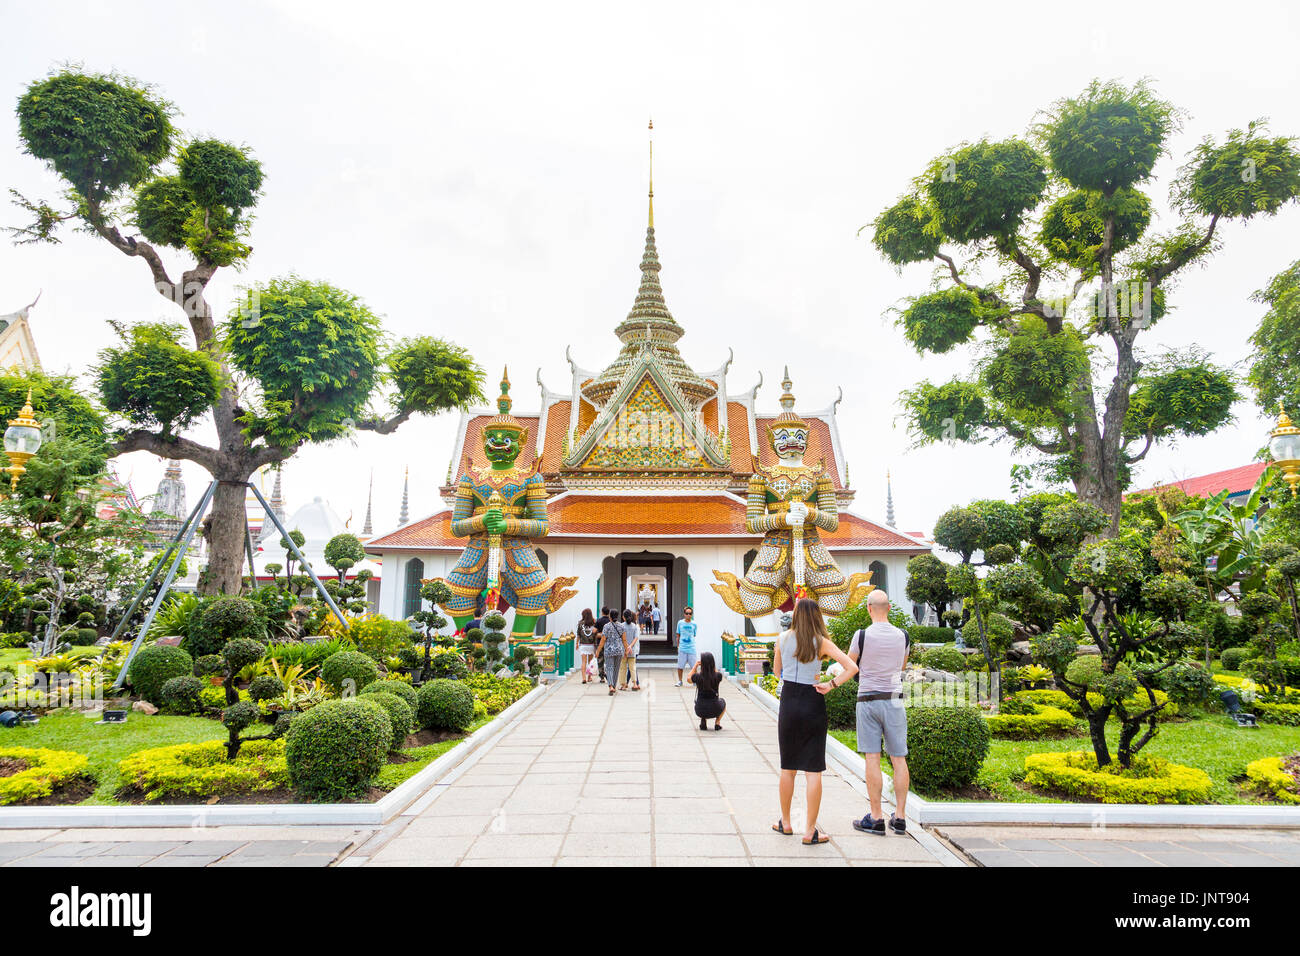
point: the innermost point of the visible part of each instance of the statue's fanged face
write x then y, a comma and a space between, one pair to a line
501, 445
790, 442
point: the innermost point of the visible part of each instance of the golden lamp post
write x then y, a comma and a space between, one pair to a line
22, 441
1284, 446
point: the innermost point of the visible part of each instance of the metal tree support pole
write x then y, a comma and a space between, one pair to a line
192, 526
248, 547
153, 575
293, 547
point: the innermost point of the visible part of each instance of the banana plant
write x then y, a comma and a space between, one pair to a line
1226, 539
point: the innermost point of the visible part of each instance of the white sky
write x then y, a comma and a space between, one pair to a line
477, 171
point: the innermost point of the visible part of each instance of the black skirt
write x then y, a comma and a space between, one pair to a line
709, 708
801, 728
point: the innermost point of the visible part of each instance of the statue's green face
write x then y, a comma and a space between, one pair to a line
501, 446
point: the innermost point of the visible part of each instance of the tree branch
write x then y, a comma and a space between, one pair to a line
173, 447
1160, 273
1134, 459
384, 426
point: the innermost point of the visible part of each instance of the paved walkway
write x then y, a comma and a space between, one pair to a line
1125, 846
586, 779
178, 846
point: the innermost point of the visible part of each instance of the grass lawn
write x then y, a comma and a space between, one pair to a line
16, 655
1213, 744
395, 774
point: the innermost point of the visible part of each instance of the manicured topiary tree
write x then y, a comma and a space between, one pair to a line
221, 620
344, 551
337, 748
156, 664
445, 705
348, 671
181, 694
397, 687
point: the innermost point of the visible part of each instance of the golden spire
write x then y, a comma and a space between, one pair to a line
652, 172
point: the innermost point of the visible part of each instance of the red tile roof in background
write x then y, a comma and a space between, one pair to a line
1234, 480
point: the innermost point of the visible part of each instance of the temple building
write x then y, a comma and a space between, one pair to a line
17, 344
647, 463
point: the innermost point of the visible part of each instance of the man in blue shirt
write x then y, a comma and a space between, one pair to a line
686, 656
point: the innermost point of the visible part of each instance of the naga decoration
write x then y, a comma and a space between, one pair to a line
501, 509
788, 504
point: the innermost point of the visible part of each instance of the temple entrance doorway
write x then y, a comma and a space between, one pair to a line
634, 578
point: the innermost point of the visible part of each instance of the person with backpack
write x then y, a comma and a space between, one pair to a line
612, 647
632, 641
880, 651
708, 705
588, 635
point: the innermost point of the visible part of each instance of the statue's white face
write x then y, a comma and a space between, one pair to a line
790, 442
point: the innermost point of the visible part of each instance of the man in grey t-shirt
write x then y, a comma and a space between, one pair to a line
880, 652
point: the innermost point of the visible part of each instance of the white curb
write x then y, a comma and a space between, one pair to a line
284, 814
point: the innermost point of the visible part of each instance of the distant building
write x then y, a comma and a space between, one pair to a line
1238, 481
17, 345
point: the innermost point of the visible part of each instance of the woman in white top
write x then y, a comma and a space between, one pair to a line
627, 667
588, 635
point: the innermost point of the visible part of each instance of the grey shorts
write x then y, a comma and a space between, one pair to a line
882, 718
686, 659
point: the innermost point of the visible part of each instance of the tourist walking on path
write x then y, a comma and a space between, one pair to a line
601, 623
612, 647
801, 722
686, 657
632, 641
708, 705
588, 635
644, 619
880, 652
656, 617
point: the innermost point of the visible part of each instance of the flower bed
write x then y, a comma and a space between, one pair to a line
1043, 721
43, 770
1287, 714
202, 770
1269, 774
1135, 704
1149, 780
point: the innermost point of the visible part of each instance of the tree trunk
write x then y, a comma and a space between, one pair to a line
1097, 731
224, 531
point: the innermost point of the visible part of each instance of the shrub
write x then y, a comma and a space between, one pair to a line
1135, 704
1185, 683
83, 637
180, 695
924, 634
337, 748
202, 770
400, 714
154, 665
1233, 657
45, 770
445, 705
497, 693
208, 664
307, 654
1267, 775
945, 745
405, 691
1148, 780
842, 706
241, 714
378, 636
945, 659
1041, 721
447, 663
1286, 714
266, 687
1273, 673
214, 696
224, 619
349, 666
240, 652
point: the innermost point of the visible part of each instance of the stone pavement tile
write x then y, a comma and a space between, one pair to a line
746, 778
298, 860
700, 787
612, 823
773, 844
516, 846
117, 860
1210, 846
778, 861
71, 850
601, 806
541, 798
603, 861
1116, 856
18, 849
489, 777
411, 863
292, 847
860, 846
1033, 845
178, 861
695, 823
141, 848
430, 823
618, 776
1059, 858
507, 822
568, 778
597, 789
504, 863
698, 844
689, 805
1001, 858
694, 861
466, 803
418, 848
567, 767
23, 835
208, 848
1247, 859
1177, 857
907, 863
606, 844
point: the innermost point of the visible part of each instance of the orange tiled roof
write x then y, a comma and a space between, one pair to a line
638, 516
819, 447
1235, 480
742, 460
557, 424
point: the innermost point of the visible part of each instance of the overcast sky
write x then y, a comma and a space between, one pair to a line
477, 171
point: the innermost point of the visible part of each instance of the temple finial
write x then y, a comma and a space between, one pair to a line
889, 499
651, 127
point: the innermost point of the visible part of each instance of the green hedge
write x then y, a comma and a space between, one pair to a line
445, 705
400, 688
1287, 714
1149, 780
925, 634
347, 666
337, 748
1233, 657
1134, 704
1043, 721
400, 714
156, 664
946, 746
202, 770
45, 770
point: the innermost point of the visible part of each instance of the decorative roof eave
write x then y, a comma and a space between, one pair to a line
648, 363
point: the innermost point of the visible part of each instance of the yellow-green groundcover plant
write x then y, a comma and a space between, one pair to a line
45, 770
1044, 720
202, 770
1267, 774
1148, 780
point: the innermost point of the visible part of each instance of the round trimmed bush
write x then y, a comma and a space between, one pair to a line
239, 715
842, 706
337, 748
239, 652
266, 687
156, 664
1233, 657
83, 637
449, 665
181, 694
1148, 780
399, 713
1185, 683
945, 659
445, 705
395, 687
222, 620
346, 666
208, 664
945, 745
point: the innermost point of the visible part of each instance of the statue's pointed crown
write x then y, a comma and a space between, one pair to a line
788, 418
504, 421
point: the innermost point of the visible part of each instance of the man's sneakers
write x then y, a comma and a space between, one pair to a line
678, 684
870, 824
